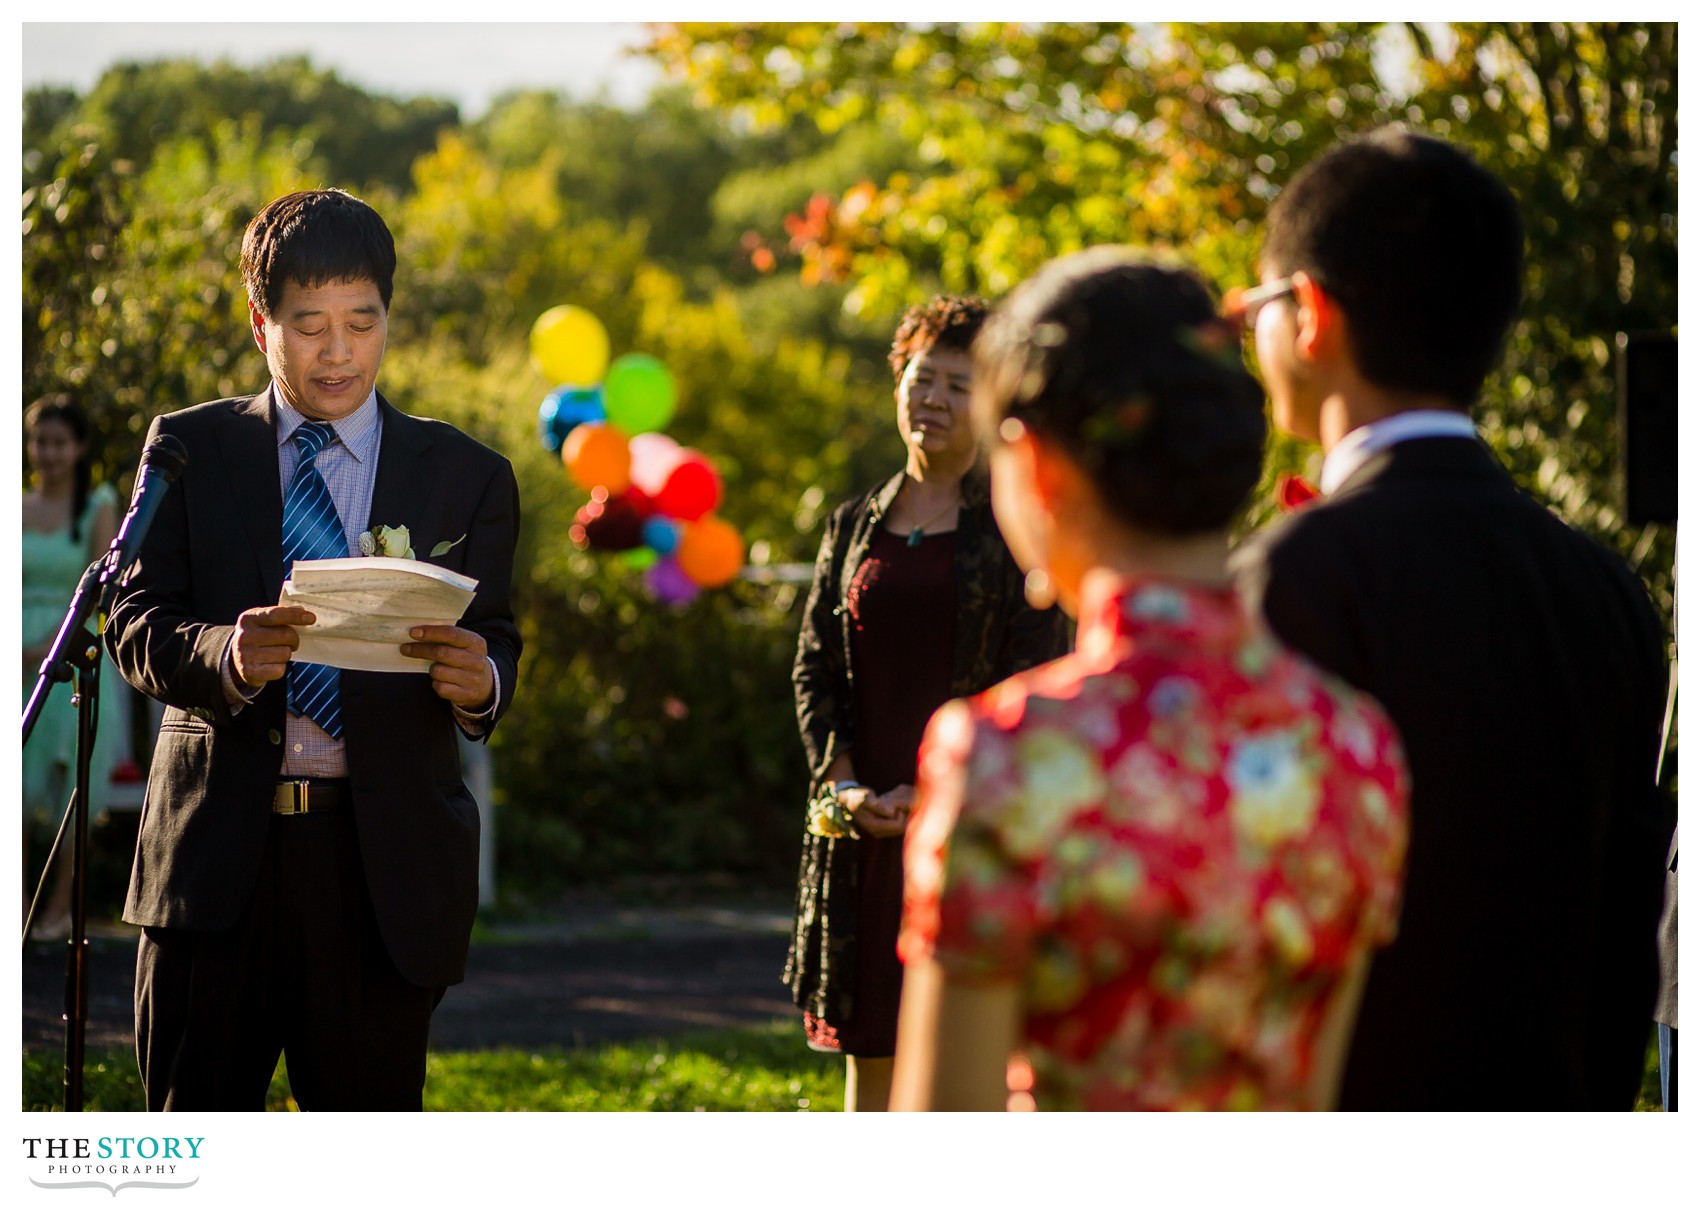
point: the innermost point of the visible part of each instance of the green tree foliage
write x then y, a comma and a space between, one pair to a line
652, 739
1030, 141
655, 166
360, 139
871, 164
705, 199
130, 298
1040, 139
44, 108
648, 739
1580, 120
481, 250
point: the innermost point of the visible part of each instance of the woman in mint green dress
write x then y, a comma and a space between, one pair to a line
67, 522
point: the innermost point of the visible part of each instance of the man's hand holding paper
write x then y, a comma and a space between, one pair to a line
367, 611
265, 641
460, 668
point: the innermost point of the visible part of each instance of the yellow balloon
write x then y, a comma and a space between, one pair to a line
569, 345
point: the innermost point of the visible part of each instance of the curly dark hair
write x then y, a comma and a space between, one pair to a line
948, 321
63, 408
1121, 360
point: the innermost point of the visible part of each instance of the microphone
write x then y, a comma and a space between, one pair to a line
162, 462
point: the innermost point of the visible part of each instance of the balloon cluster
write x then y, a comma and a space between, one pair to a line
650, 498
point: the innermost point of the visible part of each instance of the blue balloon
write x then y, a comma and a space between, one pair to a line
661, 534
564, 410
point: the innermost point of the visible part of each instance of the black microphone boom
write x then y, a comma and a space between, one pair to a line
162, 462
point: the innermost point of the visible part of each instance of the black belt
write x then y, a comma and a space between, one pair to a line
311, 796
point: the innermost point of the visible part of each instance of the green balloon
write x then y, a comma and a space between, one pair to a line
639, 393
640, 558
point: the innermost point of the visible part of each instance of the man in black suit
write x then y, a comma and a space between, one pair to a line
1521, 661
306, 873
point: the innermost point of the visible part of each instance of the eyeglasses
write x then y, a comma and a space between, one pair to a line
1242, 303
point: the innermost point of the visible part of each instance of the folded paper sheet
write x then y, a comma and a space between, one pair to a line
366, 606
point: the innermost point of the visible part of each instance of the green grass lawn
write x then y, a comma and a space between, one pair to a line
756, 1070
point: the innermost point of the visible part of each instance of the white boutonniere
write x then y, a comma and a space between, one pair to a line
387, 541
395, 541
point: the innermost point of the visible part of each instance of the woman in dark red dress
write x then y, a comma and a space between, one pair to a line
915, 600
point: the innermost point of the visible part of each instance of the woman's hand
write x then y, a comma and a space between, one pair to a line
900, 799
872, 817
883, 816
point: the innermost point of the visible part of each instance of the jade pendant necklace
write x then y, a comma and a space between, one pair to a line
918, 531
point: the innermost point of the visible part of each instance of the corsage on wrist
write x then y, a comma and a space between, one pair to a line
828, 818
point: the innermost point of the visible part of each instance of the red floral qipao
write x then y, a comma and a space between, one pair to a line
1173, 839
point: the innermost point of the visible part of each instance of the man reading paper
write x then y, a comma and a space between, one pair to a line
306, 865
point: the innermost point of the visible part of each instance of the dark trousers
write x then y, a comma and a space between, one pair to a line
302, 973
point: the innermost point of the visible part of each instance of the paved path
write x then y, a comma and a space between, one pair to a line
588, 972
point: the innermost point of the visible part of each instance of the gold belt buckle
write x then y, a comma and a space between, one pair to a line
291, 797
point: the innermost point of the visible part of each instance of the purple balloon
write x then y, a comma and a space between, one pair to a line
668, 583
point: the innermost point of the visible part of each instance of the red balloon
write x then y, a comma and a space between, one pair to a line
692, 489
608, 524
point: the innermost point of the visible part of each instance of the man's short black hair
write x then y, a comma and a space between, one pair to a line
1421, 247
1122, 361
312, 237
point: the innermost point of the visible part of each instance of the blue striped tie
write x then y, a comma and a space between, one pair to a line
312, 531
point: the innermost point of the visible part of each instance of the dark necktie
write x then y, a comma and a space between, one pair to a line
312, 531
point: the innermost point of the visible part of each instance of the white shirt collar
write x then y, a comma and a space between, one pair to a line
1355, 449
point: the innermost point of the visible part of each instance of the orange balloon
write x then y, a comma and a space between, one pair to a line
598, 455
710, 551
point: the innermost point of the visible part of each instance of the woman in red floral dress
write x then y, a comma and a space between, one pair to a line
1148, 874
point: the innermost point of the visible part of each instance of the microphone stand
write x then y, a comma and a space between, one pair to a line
75, 654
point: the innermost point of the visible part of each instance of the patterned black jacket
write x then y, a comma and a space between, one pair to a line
997, 634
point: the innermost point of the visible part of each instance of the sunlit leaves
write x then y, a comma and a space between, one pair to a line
1037, 139
130, 297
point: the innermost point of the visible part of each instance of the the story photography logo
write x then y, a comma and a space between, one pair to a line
113, 1162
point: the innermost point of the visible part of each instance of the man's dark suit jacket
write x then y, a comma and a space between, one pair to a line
1524, 667
215, 550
